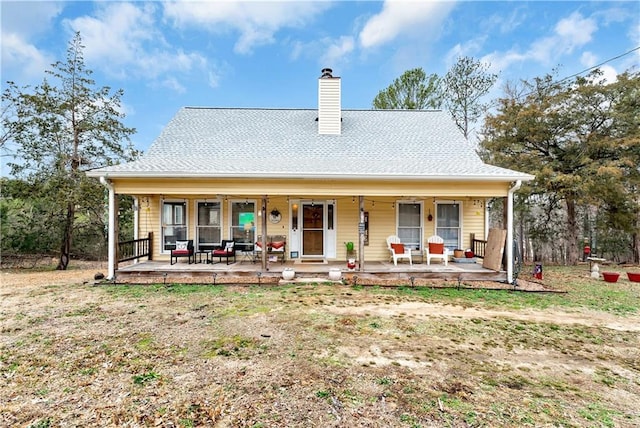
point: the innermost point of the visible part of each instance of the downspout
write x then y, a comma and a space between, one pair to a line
516, 186
111, 242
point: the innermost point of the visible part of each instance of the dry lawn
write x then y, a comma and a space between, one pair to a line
73, 354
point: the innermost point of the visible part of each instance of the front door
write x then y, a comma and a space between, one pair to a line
312, 230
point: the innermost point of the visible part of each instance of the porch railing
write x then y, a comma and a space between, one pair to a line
135, 249
478, 246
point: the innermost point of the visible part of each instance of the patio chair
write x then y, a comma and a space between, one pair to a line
226, 250
435, 249
183, 249
398, 250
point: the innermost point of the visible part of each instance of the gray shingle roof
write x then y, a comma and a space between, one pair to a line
228, 142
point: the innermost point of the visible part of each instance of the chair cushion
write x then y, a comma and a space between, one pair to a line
180, 252
220, 253
398, 248
436, 248
182, 245
277, 245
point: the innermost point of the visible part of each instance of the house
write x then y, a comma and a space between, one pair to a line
318, 177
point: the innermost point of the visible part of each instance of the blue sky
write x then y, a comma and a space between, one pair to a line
166, 55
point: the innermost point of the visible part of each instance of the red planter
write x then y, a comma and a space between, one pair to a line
469, 254
634, 276
610, 276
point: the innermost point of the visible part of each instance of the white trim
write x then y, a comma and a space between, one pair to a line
516, 186
186, 222
412, 201
196, 224
460, 217
111, 233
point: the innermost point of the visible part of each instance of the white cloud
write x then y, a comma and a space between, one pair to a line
338, 50
20, 27
123, 40
569, 33
257, 22
588, 59
575, 31
20, 56
400, 17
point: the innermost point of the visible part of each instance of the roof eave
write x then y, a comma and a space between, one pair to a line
399, 177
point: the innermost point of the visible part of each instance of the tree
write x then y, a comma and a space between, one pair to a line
62, 130
414, 90
462, 88
580, 139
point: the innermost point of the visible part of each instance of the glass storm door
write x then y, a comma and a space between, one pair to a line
313, 230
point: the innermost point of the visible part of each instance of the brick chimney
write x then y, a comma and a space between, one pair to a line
329, 109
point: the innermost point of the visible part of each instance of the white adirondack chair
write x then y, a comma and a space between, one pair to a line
441, 254
393, 239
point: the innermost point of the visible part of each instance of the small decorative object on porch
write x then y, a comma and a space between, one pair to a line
633, 276
350, 246
351, 264
335, 274
275, 216
288, 274
458, 253
610, 276
468, 253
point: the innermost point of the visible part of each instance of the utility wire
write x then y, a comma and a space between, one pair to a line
494, 102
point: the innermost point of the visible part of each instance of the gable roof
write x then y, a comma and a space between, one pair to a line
284, 143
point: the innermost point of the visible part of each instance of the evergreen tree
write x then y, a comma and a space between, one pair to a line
60, 131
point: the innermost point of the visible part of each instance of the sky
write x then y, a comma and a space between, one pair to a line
264, 54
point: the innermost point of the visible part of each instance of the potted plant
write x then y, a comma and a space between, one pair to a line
458, 253
350, 246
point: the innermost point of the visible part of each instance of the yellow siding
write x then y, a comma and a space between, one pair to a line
311, 188
381, 207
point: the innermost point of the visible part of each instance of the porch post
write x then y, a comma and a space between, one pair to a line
509, 244
361, 235
263, 240
136, 213
111, 231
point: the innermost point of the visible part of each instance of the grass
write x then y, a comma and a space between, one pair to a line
321, 355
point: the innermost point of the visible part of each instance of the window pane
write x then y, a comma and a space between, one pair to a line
174, 217
409, 224
243, 226
448, 224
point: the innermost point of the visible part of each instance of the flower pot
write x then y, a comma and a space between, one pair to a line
288, 274
335, 274
469, 254
610, 276
633, 276
351, 264
458, 254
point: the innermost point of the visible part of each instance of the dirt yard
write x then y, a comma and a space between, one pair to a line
76, 354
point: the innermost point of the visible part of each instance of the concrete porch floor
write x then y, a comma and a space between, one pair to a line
247, 271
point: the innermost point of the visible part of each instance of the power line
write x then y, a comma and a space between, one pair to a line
494, 102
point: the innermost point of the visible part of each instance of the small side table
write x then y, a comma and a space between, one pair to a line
199, 255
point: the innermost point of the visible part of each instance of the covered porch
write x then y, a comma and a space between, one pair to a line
246, 271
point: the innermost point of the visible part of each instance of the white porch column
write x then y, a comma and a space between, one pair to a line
111, 243
361, 235
513, 189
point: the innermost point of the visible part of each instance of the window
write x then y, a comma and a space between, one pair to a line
174, 223
243, 224
410, 224
448, 223
209, 230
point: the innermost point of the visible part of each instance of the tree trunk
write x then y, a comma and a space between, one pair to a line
636, 247
572, 233
65, 248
